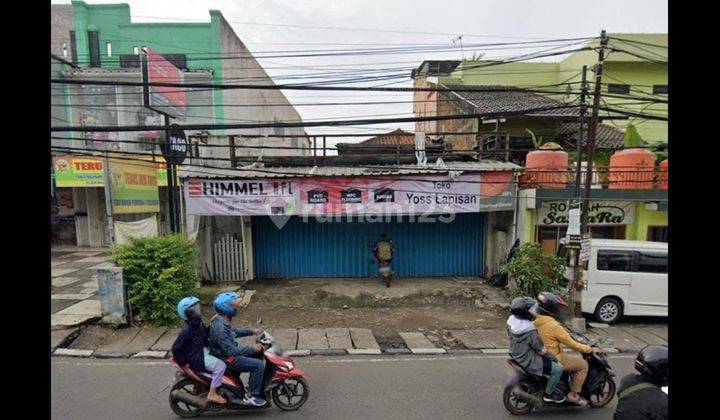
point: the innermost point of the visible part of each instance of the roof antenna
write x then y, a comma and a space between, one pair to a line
458, 40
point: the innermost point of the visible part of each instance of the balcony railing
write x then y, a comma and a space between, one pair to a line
631, 178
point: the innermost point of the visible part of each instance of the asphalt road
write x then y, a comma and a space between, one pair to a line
387, 387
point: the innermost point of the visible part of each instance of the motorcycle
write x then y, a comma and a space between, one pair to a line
283, 383
524, 392
386, 272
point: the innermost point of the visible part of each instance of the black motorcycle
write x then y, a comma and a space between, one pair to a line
524, 392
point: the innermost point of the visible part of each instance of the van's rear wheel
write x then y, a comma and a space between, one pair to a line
609, 310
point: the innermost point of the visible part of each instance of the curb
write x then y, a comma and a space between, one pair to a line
328, 352
396, 351
108, 354
495, 351
364, 351
298, 353
428, 350
464, 351
150, 354
72, 352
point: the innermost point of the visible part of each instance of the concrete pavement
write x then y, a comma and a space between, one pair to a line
74, 284
387, 387
128, 342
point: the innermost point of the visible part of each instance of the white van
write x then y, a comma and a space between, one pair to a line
626, 278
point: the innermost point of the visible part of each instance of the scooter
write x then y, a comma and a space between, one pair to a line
386, 272
283, 383
524, 392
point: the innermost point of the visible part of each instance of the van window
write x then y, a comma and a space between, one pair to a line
652, 262
608, 260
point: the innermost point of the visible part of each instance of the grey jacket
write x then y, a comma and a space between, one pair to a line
525, 349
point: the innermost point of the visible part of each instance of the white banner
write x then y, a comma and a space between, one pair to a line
408, 194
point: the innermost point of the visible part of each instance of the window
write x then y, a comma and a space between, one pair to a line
608, 260
660, 89
94, 48
108, 47
652, 262
622, 89
657, 233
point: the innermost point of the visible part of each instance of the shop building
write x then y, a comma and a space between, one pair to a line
445, 219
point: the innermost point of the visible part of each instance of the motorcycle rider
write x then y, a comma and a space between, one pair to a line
238, 357
528, 350
640, 396
190, 347
555, 336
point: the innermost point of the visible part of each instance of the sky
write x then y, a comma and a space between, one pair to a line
276, 25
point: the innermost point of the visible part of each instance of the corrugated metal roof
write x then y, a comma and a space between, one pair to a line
337, 171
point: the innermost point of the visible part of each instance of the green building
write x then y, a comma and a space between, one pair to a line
634, 77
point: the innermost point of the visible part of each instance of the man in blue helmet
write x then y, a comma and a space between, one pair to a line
239, 358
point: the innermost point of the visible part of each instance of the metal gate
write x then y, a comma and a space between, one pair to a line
426, 247
228, 259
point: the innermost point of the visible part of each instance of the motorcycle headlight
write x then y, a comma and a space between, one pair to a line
289, 365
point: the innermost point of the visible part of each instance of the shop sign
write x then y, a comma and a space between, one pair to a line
71, 171
134, 187
556, 213
411, 194
78, 172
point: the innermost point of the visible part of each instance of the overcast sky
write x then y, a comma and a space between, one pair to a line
262, 26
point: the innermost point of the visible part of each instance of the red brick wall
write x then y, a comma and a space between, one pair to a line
425, 105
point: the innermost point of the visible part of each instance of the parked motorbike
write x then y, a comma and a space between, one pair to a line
524, 392
283, 383
386, 272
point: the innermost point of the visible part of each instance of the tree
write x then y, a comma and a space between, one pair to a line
531, 271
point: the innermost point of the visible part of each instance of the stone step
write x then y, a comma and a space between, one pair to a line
339, 338
117, 344
91, 338
419, 344
312, 339
482, 338
363, 338
145, 339
287, 338
166, 340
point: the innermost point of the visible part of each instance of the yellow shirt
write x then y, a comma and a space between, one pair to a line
554, 336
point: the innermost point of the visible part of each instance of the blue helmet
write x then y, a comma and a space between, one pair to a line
223, 303
185, 304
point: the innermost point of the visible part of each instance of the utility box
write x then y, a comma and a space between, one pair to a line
111, 291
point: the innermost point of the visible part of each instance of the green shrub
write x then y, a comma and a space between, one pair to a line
533, 272
158, 273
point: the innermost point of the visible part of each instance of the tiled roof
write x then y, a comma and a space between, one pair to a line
509, 99
393, 138
606, 136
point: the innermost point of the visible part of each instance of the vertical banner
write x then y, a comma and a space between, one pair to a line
134, 187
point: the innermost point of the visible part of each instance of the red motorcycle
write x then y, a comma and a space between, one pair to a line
283, 382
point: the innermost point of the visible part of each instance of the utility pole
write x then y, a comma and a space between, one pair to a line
575, 253
591, 134
108, 198
170, 181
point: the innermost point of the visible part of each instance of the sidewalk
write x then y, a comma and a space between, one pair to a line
95, 341
74, 284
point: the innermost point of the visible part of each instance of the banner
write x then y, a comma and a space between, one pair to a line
71, 171
408, 194
134, 187
145, 228
78, 172
554, 213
